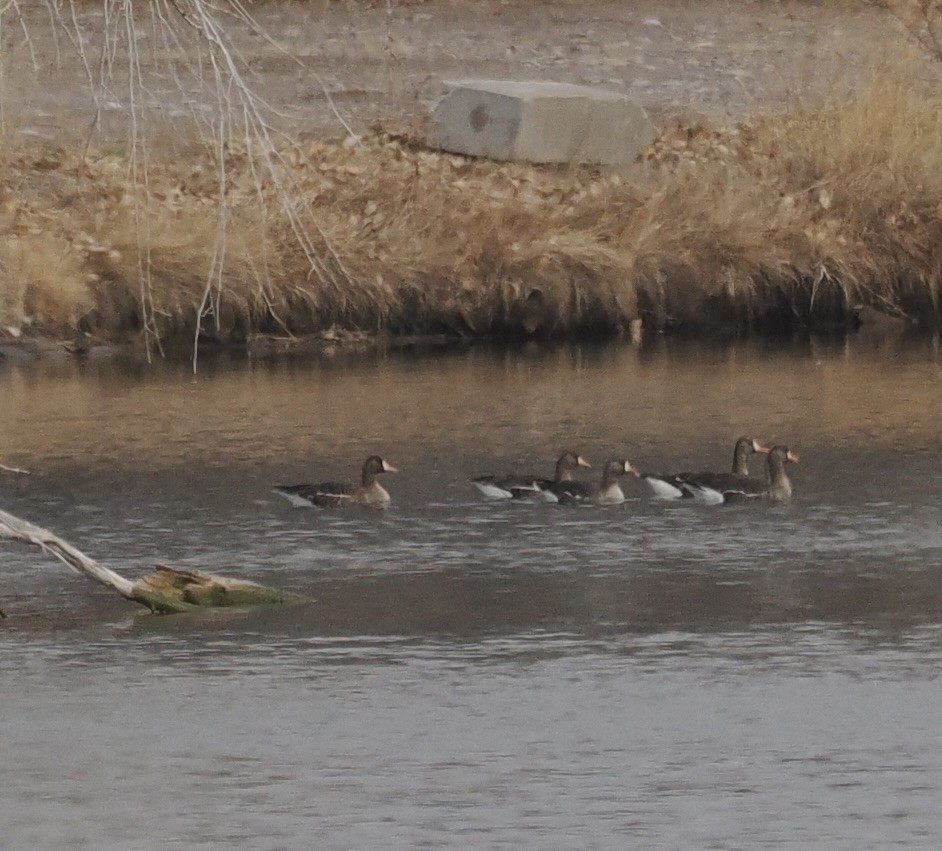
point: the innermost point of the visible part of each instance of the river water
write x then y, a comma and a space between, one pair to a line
475, 674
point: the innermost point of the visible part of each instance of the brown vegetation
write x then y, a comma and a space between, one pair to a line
794, 220
797, 219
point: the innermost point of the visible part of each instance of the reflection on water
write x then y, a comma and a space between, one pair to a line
670, 403
475, 674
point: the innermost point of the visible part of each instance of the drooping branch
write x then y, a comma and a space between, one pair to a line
194, 48
167, 590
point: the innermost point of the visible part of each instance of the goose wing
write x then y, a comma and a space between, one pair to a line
322, 494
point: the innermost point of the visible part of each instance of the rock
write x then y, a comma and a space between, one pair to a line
539, 122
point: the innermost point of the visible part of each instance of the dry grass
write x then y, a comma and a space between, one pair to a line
788, 220
866, 182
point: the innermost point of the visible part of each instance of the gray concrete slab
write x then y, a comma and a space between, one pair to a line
539, 122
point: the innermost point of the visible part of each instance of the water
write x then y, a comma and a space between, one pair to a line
472, 674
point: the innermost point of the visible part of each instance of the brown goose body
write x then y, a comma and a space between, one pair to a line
776, 487
519, 486
671, 485
368, 492
607, 491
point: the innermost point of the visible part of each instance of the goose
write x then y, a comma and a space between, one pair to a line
776, 488
368, 492
670, 485
605, 492
514, 486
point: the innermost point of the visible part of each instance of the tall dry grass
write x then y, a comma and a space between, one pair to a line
866, 176
790, 220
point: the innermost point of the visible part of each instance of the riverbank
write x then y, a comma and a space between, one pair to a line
798, 219
791, 219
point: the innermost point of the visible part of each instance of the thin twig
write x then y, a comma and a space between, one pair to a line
212, 60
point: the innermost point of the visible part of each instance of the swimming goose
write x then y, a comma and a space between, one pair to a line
605, 492
513, 486
776, 488
670, 485
368, 492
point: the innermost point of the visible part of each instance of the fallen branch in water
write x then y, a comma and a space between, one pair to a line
166, 591
5, 469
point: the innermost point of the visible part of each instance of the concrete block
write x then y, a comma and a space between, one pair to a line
539, 122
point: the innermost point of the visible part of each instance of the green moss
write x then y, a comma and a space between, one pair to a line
171, 591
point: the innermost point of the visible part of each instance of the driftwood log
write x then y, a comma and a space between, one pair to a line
19, 470
167, 590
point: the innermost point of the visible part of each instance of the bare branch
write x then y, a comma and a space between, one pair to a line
921, 20
15, 529
224, 109
20, 470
